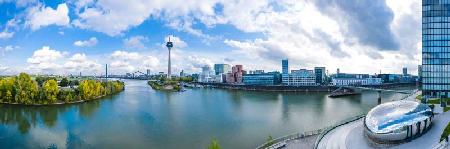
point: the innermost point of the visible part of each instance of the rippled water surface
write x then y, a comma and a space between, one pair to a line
140, 117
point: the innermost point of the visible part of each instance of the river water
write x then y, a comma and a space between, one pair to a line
140, 117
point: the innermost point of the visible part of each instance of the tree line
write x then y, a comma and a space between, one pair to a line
22, 89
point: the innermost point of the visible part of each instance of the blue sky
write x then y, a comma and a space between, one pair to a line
66, 37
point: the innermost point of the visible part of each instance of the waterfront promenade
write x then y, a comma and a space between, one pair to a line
351, 136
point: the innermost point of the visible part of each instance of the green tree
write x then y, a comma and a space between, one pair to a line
214, 144
64, 82
26, 89
8, 96
51, 90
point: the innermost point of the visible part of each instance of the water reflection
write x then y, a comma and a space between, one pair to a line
140, 117
25, 117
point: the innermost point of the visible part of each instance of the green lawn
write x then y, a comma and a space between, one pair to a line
446, 109
434, 101
446, 132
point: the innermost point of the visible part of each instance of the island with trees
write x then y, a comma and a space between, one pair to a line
25, 90
173, 84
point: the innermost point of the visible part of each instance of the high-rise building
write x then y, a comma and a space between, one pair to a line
148, 72
405, 71
222, 68
435, 48
285, 66
320, 74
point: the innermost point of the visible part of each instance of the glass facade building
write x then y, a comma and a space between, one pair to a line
285, 66
436, 48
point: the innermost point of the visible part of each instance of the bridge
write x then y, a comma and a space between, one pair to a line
352, 90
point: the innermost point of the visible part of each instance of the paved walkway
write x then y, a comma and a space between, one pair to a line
307, 142
351, 136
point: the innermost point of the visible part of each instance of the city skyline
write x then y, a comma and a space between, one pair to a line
214, 33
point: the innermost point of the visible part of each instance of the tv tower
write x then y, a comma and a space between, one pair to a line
169, 46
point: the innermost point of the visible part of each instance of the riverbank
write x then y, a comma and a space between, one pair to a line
58, 103
282, 88
23, 90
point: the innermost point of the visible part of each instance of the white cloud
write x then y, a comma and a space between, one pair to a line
80, 63
177, 42
49, 61
6, 34
20, 3
41, 16
86, 43
7, 48
8, 31
3, 68
136, 42
124, 55
43, 55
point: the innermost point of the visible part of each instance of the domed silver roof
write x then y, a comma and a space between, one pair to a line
394, 115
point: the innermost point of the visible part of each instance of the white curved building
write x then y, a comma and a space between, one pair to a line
397, 121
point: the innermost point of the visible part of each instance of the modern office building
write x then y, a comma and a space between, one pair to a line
435, 48
405, 71
222, 68
348, 79
271, 78
206, 75
285, 66
320, 74
236, 74
356, 81
148, 72
397, 121
302, 77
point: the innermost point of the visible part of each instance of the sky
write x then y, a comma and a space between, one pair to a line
67, 36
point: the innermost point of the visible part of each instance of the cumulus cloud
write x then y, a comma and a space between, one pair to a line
135, 42
86, 43
370, 25
45, 54
50, 61
80, 63
41, 16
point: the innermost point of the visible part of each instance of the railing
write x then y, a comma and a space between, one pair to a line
291, 137
321, 132
441, 145
329, 128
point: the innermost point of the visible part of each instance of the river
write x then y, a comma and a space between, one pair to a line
141, 117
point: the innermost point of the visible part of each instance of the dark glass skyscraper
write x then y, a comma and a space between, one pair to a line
285, 66
436, 48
